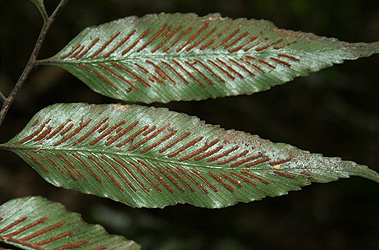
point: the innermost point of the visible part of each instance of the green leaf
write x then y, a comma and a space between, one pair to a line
152, 157
160, 58
37, 223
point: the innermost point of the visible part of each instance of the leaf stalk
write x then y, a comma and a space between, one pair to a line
42, 10
7, 102
2, 97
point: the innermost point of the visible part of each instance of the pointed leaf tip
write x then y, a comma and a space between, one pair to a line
37, 223
166, 57
152, 157
365, 172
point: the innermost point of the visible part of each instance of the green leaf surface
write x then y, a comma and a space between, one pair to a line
37, 223
152, 157
166, 57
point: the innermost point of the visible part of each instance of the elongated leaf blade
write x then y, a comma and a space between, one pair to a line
160, 58
149, 157
37, 223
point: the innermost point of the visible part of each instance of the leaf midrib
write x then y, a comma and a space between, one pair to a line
159, 159
130, 155
145, 56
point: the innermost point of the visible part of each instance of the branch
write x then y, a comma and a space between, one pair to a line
41, 7
2, 97
58, 9
7, 102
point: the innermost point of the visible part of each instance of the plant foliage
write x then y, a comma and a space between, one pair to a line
36, 223
149, 157
153, 157
166, 57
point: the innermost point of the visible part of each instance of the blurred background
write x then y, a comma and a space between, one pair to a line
334, 112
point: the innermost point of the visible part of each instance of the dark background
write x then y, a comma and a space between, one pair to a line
334, 112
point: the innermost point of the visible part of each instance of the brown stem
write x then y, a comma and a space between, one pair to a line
2, 97
7, 102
